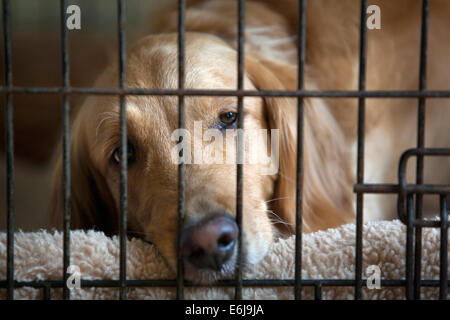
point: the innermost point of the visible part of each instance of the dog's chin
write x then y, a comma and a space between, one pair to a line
208, 276
205, 276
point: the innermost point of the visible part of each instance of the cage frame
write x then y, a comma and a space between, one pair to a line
407, 194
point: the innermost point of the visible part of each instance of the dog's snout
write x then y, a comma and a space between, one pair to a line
210, 243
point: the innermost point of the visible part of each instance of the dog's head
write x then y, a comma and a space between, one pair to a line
210, 235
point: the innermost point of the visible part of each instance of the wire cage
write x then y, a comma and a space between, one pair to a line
409, 195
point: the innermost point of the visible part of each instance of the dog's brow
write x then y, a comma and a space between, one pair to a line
225, 101
106, 116
111, 118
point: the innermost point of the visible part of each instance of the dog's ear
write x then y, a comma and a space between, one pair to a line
281, 114
327, 192
92, 206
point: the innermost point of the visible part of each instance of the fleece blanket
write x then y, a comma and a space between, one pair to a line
326, 255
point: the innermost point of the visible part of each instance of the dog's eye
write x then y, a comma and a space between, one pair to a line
131, 154
228, 118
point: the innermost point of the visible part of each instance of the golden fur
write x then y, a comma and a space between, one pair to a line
330, 124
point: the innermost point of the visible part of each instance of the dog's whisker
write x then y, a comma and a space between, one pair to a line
276, 199
293, 180
108, 115
275, 219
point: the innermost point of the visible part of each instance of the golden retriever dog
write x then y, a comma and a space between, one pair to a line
210, 233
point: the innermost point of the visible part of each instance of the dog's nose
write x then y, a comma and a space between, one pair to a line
210, 243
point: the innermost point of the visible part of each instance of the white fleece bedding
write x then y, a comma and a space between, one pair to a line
326, 255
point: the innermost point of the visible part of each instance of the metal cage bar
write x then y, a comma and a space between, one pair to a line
182, 165
407, 216
318, 291
420, 143
443, 253
66, 146
409, 262
220, 283
46, 295
380, 94
240, 147
360, 149
403, 189
123, 154
9, 127
301, 51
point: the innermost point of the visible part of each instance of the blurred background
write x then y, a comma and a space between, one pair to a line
35, 33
